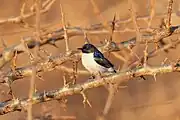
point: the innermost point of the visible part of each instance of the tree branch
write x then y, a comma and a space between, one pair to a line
21, 104
20, 18
53, 36
54, 62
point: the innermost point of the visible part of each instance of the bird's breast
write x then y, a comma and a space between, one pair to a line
88, 59
90, 64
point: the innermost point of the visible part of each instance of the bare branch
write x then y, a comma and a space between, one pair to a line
65, 30
52, 63
168, 24
145, 55
152, 12
44, 5
19, 104
134, 19
32, 89
53, 36
19, 19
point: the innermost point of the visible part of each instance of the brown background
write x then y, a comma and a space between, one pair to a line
141, 100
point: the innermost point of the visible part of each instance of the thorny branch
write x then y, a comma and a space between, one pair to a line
152, 12
134, 18
53, 62
21, 104
170, 3
32, 89
51, 37
65, 30
20, 18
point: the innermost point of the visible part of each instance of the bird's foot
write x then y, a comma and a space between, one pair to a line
92, 77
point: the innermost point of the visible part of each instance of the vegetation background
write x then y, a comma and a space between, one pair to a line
141, 100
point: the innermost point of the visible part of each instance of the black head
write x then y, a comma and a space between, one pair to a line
88, 48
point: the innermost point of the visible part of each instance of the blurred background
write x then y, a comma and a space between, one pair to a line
141, 100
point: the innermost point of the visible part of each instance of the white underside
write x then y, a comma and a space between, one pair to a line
90, 64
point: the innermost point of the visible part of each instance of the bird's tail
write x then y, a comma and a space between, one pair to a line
112, 70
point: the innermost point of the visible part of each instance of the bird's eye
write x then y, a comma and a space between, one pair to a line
87, 47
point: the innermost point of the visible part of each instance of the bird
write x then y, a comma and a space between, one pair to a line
94, 61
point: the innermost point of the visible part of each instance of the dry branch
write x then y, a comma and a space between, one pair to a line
54, 62
21, 104
170, 4
134, 18
152, 12
20, 18
32, 89
53, 36
65, 30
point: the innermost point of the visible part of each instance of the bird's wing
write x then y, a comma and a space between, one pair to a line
100, 59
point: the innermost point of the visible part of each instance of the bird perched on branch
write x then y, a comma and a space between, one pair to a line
94, 61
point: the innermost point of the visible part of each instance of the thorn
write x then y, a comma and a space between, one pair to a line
92, 77
121, 87
53, 43
164, 61
106, 40
145, 54
133, 53
22, 9
119, 68
39, 77
45, 52
156, 46
142, 77
35, 89
86, 38
85, 100
75, 64
44, 94
101, 42
66, 84
177, 61
114, 86
13, 63
113, 23
3, 43
155, 77
10, 92
25, 48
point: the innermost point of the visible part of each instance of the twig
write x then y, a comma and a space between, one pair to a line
152, 12
156, 51
134, 19
112, 90
145, 55
65, 30
44, 4
32, 89
97, 11
25, 16
104, 22
168, 23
